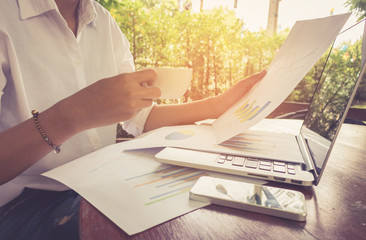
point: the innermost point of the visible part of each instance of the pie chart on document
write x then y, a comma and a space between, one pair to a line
179, 135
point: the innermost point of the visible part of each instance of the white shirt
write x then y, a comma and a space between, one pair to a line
43, 62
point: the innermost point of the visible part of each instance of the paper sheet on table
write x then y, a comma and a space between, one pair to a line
252, 143
131, 188
305, 44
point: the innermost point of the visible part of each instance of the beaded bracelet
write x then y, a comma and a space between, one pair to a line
56, 148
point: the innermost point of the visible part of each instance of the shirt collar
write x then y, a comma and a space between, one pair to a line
32, 8
87, 12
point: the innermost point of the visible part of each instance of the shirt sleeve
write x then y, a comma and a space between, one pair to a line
125, 63
123, 56
136, 124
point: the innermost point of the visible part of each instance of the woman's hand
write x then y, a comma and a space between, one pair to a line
225, 100
110, 100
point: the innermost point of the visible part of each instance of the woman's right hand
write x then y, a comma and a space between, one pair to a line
110, 100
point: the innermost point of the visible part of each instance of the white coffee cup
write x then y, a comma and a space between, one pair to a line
173, 82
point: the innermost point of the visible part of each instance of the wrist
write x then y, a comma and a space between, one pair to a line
58, 123
56, 148
218, 106
214, 107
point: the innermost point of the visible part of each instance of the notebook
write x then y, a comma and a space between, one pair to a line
327, 111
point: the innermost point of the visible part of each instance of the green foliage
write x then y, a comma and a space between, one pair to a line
344, 66
337, 86
214, 43
358, 7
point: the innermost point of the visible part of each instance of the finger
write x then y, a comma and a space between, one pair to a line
150, 93
146, 103
262, 73
258, 76
145, 76
252, 80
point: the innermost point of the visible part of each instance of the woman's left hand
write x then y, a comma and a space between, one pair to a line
240, 89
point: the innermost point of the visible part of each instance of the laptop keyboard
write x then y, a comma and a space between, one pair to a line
254, 163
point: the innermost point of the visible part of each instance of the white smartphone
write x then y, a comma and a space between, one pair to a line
273, 201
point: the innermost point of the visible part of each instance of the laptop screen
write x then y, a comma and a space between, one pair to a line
333, 95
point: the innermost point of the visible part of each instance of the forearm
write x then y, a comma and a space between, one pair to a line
180, 114
23, 145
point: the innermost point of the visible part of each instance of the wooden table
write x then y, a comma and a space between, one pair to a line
336, 207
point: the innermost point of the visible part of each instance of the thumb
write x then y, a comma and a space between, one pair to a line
249, 82
255, 77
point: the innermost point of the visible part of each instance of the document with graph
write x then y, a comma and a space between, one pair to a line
130, 188
305, 44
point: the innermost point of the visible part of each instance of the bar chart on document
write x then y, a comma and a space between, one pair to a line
164, 183
249, 110
241, 116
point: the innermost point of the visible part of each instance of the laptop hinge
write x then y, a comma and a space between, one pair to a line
305, 153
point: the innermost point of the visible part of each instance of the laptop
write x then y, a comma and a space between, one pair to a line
326, 113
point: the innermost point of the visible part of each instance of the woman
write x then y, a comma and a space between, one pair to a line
69, 62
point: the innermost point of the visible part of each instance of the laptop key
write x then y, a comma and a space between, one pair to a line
291, 171
290, 166
251, 163
266, 163
221, 159
279, 163
278, 168
265, 167
229, 158
238, 161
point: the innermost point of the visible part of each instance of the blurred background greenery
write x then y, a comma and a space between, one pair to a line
216, 44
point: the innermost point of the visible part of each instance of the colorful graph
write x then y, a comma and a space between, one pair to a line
179, 135
166, 182
242, 142
249, 111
